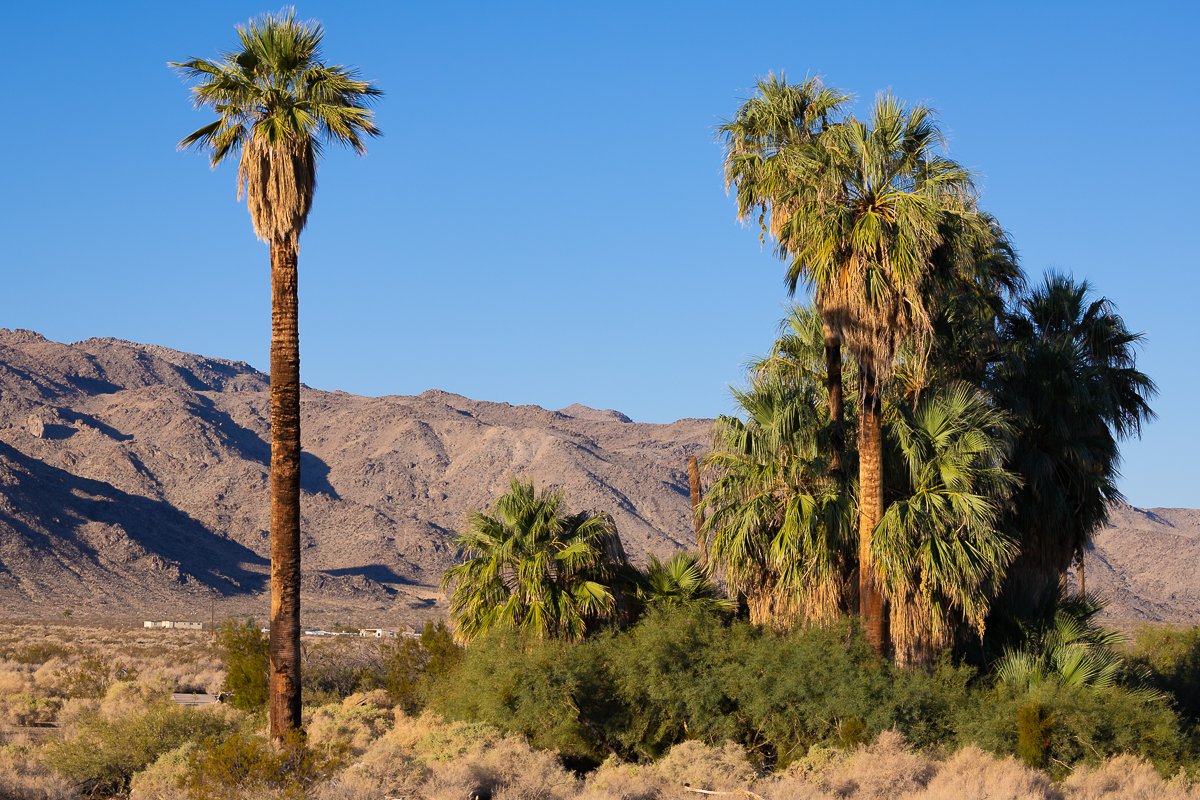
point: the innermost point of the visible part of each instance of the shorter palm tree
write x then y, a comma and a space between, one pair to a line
1073, 650
941, 555
533, 568
779, 526
679, 582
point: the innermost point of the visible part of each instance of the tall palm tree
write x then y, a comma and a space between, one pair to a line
778, 529
782, 116
940, 551
885, 198
277, 102
1069, 375
532, 567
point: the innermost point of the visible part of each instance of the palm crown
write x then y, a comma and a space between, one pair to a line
532, 567
277, 103
883, 196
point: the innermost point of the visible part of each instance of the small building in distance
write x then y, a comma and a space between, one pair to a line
187, 626
379, 633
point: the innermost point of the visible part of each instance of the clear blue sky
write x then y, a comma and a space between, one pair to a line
544, 221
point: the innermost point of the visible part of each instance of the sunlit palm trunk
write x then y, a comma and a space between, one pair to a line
871, 605
285, 492
694, 492
833, 376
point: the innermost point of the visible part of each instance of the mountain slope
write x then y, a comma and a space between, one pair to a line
133, 477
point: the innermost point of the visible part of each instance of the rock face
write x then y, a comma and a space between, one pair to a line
143, 482
133, 481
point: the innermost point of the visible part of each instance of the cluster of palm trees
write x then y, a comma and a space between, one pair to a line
983, 416
927, 443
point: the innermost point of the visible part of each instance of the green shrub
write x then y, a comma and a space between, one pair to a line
411, 666
1077, 725
685, 675
244, 765
1172, 658
244, 651
1032, 727
101, 755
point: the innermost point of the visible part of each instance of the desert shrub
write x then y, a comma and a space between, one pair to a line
24, 776
165, 778
28, 708
35, 652
244, 765
1171, 656
102, 754
557, 695
1078, 725
332, 670
883, 769
387, 769
348, 728
1124, 778
91, 676
411, 666
973, 773
686, 675
244, 650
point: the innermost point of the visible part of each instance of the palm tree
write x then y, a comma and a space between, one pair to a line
940, 552
277, 102
782, 116
1069, 375
533, 568
680, 582
778, 529
1072, 650
884, 200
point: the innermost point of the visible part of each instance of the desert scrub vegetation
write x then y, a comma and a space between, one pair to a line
683, 698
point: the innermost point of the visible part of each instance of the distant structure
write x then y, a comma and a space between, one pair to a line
187, 626
379, 633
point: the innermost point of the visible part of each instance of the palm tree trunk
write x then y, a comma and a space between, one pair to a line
871, 607
284, 657
833, 377
1082, 575
694, 492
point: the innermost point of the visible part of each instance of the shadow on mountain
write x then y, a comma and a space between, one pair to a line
379, 573
70, 501
314, 476
314, 473
57, 432
87, 419
245, 442
92, 385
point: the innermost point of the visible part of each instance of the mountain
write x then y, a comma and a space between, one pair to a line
133, 480
133, 484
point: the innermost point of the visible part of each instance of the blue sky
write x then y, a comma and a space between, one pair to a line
544, 221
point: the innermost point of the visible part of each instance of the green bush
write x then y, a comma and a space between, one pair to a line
682, 675
1172, 658
686, 675
244, 651
244, 765
1076, 725
101, 755
412, 665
